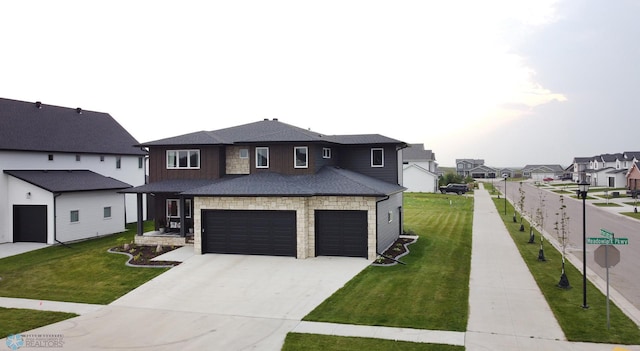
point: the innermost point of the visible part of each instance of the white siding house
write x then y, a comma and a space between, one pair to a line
37, 143
419, 169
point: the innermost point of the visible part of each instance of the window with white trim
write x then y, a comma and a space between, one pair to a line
326, 152
189, 159
118, 162
377, 157
262, 157
300, 157
173, 208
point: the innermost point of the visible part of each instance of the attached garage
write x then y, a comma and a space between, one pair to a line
30, 223
341, 233
249, 232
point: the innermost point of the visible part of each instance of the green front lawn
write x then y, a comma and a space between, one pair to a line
313, 342
16, 320
578, 324
86, 272
432, 290
604, 204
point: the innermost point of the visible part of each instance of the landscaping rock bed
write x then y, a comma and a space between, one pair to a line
396, 251
141, 255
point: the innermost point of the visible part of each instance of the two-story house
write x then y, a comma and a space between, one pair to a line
61, 170
269, 188
540, 172
419, 169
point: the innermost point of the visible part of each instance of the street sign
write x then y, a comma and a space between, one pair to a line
598, 241
606, 241
606, 256
605, 233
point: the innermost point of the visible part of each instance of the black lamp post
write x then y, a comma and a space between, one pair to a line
583, 188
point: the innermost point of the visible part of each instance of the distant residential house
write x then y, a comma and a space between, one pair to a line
506, 172
606, 170
633, 179
60, 173
580, 167
465, 165
482, 172
540, 172
419, 169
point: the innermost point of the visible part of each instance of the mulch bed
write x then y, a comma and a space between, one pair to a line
141, 255
395, 251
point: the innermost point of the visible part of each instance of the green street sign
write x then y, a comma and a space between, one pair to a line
598, 241
620, 241
605, 233
607, 241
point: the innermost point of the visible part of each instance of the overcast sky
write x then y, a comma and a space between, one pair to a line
511, 82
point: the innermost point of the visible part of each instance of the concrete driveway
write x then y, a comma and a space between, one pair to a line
212, 302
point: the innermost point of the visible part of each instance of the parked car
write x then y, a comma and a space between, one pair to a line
547, 179
454, 188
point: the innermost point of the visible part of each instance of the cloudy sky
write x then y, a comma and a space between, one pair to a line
512, 82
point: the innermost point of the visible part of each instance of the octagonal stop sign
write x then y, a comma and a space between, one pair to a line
612, 256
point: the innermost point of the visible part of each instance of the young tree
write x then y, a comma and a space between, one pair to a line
538, 220
521, 206
562, 231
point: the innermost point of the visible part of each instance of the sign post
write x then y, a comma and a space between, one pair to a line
607, 259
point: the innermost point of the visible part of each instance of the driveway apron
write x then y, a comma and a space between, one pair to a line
212, 302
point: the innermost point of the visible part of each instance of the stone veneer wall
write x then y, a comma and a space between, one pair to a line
235, 164
305, 217
164, 240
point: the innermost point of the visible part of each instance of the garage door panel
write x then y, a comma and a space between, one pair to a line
341, 233
250, 232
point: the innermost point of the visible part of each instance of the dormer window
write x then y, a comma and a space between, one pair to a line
377, 157
189, 159
300, 157
262, 157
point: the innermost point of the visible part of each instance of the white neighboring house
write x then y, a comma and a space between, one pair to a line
60, 173
419, 169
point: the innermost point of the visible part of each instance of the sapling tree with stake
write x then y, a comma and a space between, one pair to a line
562, 231
521, 206
538, 220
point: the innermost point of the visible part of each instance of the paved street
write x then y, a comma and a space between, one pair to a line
623, 277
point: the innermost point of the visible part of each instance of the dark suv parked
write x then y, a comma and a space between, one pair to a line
454, 188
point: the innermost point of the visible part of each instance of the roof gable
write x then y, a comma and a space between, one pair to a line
45, 128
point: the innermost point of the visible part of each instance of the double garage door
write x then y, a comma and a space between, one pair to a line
262, 232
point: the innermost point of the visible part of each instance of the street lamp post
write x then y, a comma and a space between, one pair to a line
583, 188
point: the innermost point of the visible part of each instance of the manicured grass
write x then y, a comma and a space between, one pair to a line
429, 292
604, 204
635, 215
578, 324
86, 272
16, 320
311, 342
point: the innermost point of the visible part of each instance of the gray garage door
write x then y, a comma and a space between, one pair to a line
249, 232
341, 233
30, 223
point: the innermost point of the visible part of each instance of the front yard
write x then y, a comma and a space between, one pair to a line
430, 292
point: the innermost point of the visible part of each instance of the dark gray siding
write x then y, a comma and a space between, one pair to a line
388, 232
358, 159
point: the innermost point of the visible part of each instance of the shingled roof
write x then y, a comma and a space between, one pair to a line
328, 181
268, 131
27, 126
60, 181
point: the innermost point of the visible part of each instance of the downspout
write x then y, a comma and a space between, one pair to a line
55, 221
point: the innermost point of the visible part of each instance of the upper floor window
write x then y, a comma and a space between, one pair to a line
77, 157
183, 159
101, 158
301, 157
118, 162
460, 165
50, 157
244, 153
262, 157
377, 157
140, 162
326, 152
